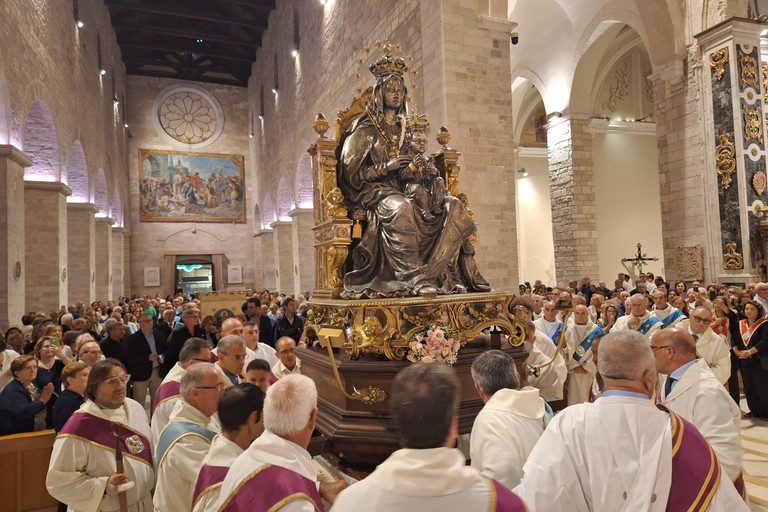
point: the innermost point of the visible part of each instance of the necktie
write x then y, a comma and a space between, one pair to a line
695, 337
668, 386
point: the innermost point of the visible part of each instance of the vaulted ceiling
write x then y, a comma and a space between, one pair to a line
211, 41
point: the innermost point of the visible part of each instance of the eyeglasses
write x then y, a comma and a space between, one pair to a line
219, 387
236, 358
120, 379
655, 347
702, 320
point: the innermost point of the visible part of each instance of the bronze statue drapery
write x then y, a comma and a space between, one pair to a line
402, 252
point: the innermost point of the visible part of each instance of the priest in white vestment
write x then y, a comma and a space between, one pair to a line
195, 350
549, 325
493, 451
638, 318
579, 338
186, 439
669, 315
242, 421
692, 391
540, 373
82, 470
427, 473
279, 455
616, 454
231, 352
710, 346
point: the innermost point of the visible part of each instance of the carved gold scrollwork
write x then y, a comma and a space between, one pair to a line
369, 395
748, 66
334, 204
334, 259
765, 82
759, 182
370, 335
732, 260
718, 60
753, 124
724, 156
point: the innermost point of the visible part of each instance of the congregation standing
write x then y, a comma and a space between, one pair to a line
231, 416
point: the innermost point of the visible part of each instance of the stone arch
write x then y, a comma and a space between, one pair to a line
268, 213
77, 175
303, 187
100, 194
285, 201
257, 223
41, 144
531, 115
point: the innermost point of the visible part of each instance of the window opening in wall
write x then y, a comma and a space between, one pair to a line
194, 278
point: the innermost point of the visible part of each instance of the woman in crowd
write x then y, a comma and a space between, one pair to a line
751, 347
75, 379
19, 400
680, 288
15, 339
68, 342
720, 321
50, 362
680, 303
608, 317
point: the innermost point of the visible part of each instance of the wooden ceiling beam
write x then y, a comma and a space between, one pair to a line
252, 44
235, 81
175, 48
184, 11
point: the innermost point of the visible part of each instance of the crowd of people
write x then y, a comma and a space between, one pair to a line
217, 416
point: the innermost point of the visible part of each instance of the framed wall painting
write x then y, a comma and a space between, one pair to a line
177, 186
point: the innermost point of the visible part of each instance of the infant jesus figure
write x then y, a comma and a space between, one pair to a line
423, 184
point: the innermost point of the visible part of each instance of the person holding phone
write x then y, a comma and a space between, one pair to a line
51, 360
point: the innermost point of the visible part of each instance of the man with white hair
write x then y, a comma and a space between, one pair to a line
581, 369
89, 351
540, 371
761, 294
186, 439
638, 318
494, 452
231, 352
664, 311
279, 455
622, 452
538, 306
427, 473
195, 350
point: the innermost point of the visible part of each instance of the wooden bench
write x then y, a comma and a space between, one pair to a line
23, 466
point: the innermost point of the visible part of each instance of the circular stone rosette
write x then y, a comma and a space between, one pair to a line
188, 116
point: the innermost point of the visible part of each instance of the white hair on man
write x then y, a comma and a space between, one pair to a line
289, 404
194, 375
625, 355
638, 296
227, 341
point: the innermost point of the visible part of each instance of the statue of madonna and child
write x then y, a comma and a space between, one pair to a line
417, 239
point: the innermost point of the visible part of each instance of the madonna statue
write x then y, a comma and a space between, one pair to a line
412, 245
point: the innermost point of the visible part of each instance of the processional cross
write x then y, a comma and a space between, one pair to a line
637, 262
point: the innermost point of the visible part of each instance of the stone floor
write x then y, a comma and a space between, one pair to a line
754, 437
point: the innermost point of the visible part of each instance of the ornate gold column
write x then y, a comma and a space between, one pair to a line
735, 158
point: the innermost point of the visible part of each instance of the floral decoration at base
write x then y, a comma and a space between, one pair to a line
435, 343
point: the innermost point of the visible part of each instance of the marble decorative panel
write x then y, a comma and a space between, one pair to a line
689, 262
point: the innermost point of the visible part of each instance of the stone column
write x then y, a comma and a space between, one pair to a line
118, 276
104, 259
12, 279
81, 252
45, 236
574, 225
258, 263
734, 148
302, 242
127, 289
267, 241
283, 253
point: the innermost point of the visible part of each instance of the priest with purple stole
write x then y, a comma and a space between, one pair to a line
195, 350
186, 439
82, 472
242, 421
276, 471
427, 473
622, 453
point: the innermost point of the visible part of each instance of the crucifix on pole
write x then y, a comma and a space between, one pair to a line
638, 261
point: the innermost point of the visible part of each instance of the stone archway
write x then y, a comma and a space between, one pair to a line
40, 142
303, 189
77, 175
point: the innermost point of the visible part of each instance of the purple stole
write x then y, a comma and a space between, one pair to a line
168, 390
271, 487
209, 478
272, 378
695, 467
504, 500
99, 431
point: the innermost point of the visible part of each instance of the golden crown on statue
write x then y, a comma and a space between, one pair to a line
418, 122
389, 64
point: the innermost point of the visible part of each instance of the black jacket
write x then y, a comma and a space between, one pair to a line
67, 403
136, 349
17, 409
